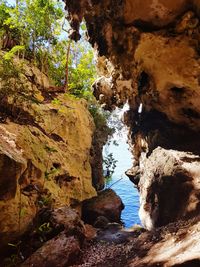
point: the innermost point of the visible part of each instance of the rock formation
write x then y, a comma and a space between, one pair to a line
64, 248
107, 204
149, 57
174, 245
169, 187
150, 54
44, 151
59, 251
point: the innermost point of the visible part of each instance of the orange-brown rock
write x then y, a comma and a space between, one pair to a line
60, 251
172, 246
153, 13
169, 187
44, 152
90, 232
158, 68
173, 68
65, 218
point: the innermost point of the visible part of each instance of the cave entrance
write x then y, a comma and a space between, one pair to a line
119, 182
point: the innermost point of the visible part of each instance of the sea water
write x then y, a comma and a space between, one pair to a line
120, 183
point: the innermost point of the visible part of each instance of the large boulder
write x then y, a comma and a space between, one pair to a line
107, 204
175, 245
67, 219
60, 251
169, 187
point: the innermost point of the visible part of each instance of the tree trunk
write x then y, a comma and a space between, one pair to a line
67, 68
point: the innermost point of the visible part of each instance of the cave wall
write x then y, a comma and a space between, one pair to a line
149, 56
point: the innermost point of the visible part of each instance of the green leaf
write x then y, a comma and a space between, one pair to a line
50, 149
83, 27
22, 212
56, 101
9, 55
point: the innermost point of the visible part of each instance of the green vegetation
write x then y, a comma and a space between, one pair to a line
100, 117
81, 67
110, 165
37, 31
15, 257
30, 23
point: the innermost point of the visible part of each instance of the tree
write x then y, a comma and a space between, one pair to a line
36, 23
110, 164
9, 36
33, 29
81, 67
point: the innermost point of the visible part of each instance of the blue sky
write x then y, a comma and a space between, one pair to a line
11, 2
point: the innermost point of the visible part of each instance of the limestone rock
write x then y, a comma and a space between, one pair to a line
159, 69
44, 153
60, 251
169, 187
174, 245
134, 175
143, 58
175, 89
11, 159
153, 13
67, 219
106, 204
100, 137
90, 232
37, 77
153, 48
102, 90
101, 222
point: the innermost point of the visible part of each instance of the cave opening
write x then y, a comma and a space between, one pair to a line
118, 149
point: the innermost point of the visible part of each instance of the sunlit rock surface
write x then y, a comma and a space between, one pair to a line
175, 245
169, 187
153, 13
44, 153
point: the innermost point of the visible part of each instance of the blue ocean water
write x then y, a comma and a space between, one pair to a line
124, 188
